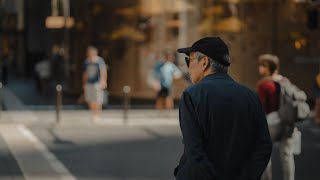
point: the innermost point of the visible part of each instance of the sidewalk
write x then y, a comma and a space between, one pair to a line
17, 111
84, 118
25, 90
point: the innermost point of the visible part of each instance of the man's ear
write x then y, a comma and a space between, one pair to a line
205, 63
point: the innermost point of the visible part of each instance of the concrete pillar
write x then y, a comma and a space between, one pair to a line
183, 34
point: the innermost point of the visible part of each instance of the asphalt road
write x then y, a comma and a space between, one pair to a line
118, 153
149, 153
135, 152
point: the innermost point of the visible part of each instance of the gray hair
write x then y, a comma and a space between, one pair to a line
214, 65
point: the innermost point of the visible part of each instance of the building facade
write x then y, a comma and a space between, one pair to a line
132, 34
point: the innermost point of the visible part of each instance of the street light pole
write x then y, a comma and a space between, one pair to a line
66, 14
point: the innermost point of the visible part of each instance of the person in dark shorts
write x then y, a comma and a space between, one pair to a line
163, 74
94, 81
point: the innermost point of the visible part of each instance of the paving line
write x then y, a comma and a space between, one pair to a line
54, 162
33, 157
121, 122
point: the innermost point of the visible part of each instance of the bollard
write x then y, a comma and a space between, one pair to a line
1, 101
58, 103
126, 103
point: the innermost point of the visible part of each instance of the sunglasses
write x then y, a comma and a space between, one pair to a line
187, 59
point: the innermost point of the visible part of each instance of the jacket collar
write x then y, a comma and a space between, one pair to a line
217, 76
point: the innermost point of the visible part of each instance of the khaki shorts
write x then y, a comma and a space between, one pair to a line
94, 93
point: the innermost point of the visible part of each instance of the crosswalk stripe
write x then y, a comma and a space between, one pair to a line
33, 157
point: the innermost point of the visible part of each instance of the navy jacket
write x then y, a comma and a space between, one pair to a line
225, 132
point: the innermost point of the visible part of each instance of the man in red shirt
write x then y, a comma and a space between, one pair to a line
268, 90
269, 94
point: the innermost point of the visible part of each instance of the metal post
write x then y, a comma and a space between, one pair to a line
58, 103
1, 101
126, 103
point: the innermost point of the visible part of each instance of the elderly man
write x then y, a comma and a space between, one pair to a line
224, 128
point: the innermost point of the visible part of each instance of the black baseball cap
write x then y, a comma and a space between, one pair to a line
213, 47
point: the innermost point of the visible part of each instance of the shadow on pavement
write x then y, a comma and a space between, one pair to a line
150, 159
9, 169
58, 140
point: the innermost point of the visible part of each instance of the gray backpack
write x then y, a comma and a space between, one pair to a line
293, 107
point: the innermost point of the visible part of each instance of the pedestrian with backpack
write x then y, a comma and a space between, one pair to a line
268, 92
284, 105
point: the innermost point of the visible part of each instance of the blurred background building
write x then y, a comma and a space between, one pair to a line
132, 34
